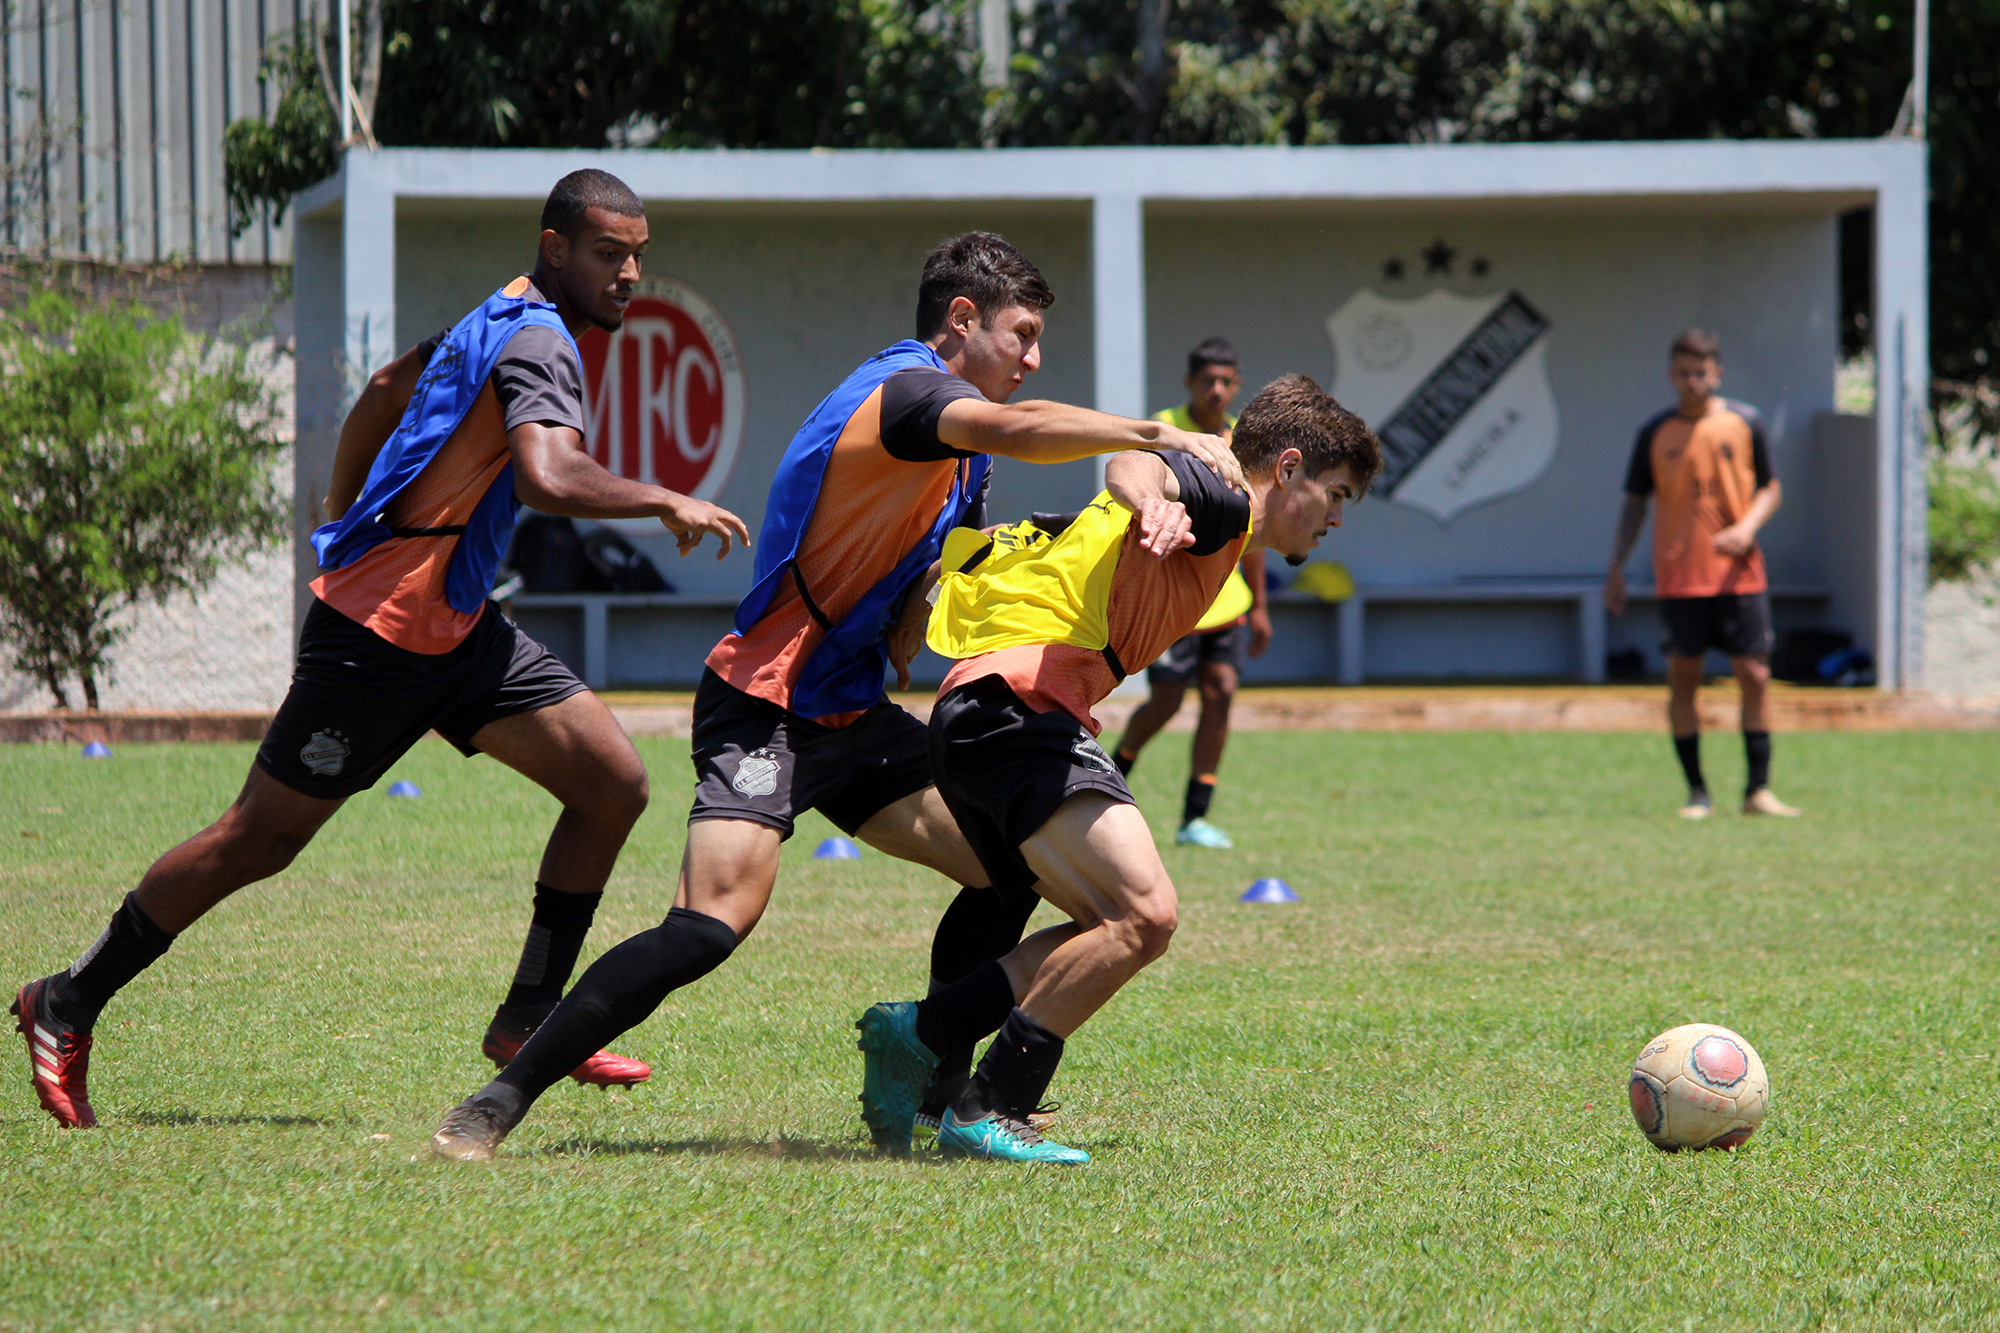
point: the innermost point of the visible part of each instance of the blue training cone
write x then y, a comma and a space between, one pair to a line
404, 787
97, 750
1269, 891
836, 849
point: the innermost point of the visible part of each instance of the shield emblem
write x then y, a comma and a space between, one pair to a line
756, 775
1457, 389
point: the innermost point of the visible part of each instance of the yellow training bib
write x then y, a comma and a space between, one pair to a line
1027, 587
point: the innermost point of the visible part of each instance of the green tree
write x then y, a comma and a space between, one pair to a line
135, 459
269, 162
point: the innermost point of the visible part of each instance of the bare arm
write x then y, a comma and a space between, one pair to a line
369, 424
1740, 536
1260, 608
552, 473
1630, 519
1143, 484
1043, 432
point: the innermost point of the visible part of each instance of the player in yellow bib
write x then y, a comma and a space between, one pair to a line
1212, 655
1042, 618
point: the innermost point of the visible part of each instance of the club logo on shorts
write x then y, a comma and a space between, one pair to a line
757, 775
1091, 755
326, 753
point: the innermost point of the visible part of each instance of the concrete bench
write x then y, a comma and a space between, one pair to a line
1583, 597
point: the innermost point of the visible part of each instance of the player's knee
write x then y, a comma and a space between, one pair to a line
1151, 925
621, 795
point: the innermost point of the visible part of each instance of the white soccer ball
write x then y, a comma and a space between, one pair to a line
1698, 1086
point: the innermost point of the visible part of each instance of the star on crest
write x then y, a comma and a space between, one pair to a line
1438, 257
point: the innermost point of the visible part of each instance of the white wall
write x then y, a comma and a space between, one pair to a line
1615, 288
809, 293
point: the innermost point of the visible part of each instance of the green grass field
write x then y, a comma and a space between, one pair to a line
1397, 1104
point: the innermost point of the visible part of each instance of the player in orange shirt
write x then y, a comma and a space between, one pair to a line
1706, 460
401, 638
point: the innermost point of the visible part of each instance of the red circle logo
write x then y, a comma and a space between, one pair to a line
663, 394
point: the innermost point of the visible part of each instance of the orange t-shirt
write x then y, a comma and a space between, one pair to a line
1152, 603
1704, 472
877, 499
397, 588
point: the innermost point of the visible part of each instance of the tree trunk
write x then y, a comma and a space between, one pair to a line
90, 691
1151, 86
368, 79
53, 680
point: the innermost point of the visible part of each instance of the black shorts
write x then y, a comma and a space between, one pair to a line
754, 760
358, 702
1004, 769
1178, 665
1738, 624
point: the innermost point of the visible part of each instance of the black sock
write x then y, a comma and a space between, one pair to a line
1124, 761
128, 946
973, 1007
1014, 1073
1200, 791
617, 992
1689, 750
1757, 749
979, 926
555, 937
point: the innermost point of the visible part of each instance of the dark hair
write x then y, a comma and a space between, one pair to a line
1292, 412
579, 192
1696, 342
1211, 352
986, 271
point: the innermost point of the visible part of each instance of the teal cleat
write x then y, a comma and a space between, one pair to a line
1201, 833
1000, 1138
895, 1071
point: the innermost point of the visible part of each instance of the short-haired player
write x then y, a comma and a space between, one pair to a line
791, 714
1041, 618
1236, 626
437, 455
1706, 462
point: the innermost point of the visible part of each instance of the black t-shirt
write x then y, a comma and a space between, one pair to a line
912, 402
1218, 513
536, 377
1639, 472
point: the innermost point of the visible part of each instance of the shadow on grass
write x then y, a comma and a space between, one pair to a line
785, 1149
176, 1118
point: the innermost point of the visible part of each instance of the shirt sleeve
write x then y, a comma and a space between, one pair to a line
1639, 472
912, 402
1218, 513
427, 349
975, 513
1760, 452
537, 379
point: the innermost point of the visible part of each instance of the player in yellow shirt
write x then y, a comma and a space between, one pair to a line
1041, 619
1236, 623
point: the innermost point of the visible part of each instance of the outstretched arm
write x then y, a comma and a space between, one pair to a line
370, 423
1043, 432
552, 473
1740, 536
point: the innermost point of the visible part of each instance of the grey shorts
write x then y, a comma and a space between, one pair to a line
754, 760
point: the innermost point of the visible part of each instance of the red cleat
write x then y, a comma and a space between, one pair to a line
603, 1069
59, 1055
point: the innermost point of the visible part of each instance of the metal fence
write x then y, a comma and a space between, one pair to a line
112, 115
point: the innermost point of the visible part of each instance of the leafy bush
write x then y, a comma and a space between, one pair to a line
1964, 518
135, 459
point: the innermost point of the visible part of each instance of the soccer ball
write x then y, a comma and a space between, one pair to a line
1698, 1086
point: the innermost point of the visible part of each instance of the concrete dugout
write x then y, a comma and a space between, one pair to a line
1513, 303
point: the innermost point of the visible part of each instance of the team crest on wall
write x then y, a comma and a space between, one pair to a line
663, 394
1455, 386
